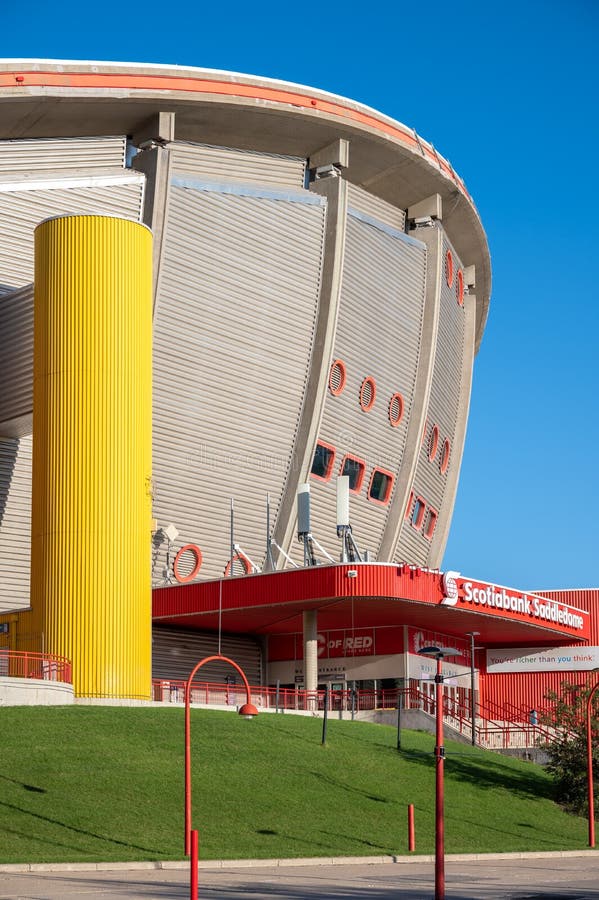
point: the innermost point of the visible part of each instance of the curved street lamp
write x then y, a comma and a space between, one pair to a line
439, 653
590, 767
248, 711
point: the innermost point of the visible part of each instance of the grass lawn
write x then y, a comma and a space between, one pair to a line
103, 784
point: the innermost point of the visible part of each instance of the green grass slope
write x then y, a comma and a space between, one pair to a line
101, 784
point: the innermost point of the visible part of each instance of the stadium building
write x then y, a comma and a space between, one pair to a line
242, 290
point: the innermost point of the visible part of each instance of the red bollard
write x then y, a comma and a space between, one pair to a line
411, 832
193, 881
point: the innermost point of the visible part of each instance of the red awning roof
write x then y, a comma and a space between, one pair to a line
377, 594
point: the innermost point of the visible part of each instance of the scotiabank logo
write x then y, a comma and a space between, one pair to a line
450, 588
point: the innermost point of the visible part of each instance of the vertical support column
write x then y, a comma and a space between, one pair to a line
311, 656
91, 510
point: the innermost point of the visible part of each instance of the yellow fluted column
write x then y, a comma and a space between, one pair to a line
91, 505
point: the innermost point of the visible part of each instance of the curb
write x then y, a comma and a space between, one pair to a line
30, 868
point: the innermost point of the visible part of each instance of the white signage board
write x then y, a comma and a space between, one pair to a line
552, 659
424, 668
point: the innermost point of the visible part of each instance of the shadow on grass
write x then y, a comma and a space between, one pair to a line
489, 773
335, 782
98, 837
24, 785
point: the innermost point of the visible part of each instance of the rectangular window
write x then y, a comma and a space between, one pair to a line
354, 468
381, 485
417, 516
322, 464
430, 523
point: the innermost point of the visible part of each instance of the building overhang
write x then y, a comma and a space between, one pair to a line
359, 595
54, 98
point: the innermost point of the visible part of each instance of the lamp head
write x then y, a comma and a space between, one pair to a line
438, 652
248, 711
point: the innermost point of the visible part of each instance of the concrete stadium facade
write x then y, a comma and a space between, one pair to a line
320, 285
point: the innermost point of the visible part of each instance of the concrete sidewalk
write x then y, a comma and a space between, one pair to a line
571, 875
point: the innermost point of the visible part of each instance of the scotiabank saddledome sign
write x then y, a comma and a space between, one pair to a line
489, 598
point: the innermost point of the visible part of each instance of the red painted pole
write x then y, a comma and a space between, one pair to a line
411, 832
193, 880
187, 771
590, 791
439, 790
246, 685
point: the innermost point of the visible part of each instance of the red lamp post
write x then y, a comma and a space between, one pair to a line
590, 767
248, 711
439, 653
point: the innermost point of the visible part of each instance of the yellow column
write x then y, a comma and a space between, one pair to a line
91, 505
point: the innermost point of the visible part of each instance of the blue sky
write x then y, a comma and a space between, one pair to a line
508, 92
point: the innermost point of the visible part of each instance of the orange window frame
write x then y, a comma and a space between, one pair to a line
340, 366
389, 490
369, 380
459, 288
331, 463
449, 268
362, 465
417, 523
433, 442
396, 420
431, 523
445, 455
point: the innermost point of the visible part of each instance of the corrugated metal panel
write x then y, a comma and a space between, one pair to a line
90, 578
15, 523
365, 202
16, 361
233, 330
51, 154
528, 690
378, 335
583, 599
225, 164
176, 651
444, 402
524, 690
23, 206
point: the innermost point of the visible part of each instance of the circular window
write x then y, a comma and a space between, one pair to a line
240, 564
433, 442
445, 456
187, 563
459, 287
396, 407
337, 377
449, 268
367, 394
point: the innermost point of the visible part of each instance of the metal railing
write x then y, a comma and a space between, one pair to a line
41, 666
494, 730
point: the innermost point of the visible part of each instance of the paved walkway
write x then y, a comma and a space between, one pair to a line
509, 877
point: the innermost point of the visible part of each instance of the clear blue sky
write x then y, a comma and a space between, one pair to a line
509, 93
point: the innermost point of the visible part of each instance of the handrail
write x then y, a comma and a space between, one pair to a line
494, 734
40, 666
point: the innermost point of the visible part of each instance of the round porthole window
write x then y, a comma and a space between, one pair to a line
445, 453
459, 287
396, 409
367, 394
337, 378
187, 563
449, 268
433, 442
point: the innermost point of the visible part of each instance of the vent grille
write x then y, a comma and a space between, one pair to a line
396, 410
367, 394
337, 378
